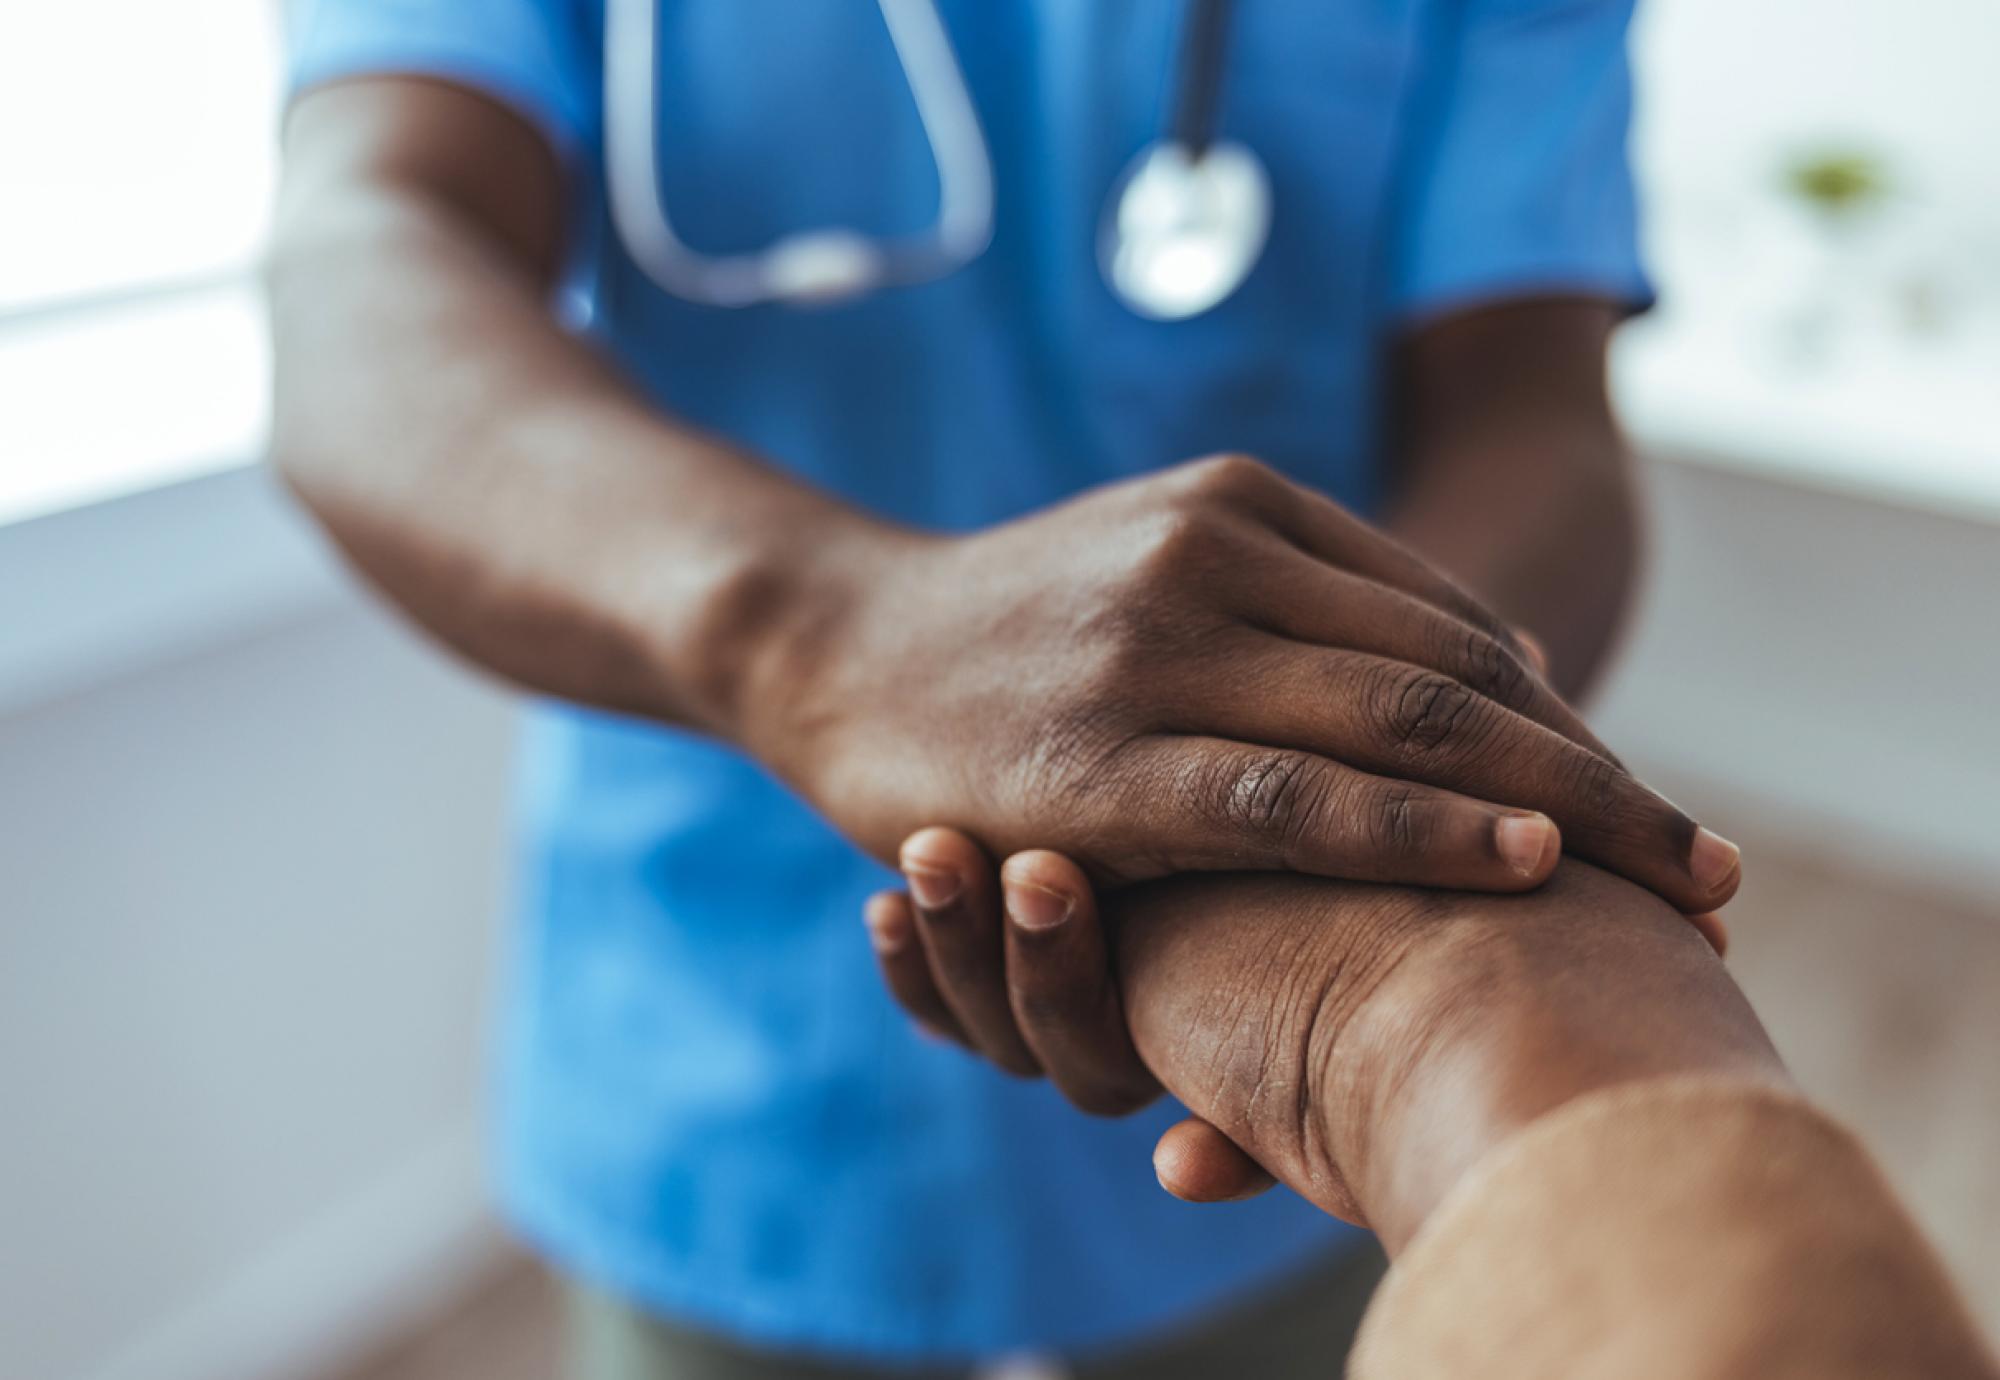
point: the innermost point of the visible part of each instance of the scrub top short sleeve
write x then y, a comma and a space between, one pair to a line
534, 56
1519, 181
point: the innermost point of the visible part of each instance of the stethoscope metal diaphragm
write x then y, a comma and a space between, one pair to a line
1182, 233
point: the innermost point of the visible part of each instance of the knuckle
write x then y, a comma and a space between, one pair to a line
1038, 1008
1225, 478
1165, 607
1070, 757
1396, 824
1278, 795
1492, 669
1180, 545
1601, 788
1421, 711
1471, 611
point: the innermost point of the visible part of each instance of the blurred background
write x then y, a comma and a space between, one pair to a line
251, 833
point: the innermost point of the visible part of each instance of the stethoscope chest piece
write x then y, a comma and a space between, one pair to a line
1183, 230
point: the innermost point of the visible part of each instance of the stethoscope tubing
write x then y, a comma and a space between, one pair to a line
960, 233
852, 263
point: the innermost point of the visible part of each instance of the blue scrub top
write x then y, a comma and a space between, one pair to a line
709, 1103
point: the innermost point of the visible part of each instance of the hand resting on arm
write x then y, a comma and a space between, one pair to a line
1556, 1109
1070, 679
1361, 1043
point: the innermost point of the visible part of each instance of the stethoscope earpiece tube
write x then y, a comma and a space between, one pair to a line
1182, 230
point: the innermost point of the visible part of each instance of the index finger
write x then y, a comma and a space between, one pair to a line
1061, 987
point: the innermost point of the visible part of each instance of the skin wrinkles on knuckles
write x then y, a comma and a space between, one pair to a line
1622, 813
1421, 710
1396, 824
1139, 652
1127, 748
1495, 672
1276, 795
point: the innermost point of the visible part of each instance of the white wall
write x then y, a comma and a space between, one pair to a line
1729, 91
246, 904
1822, 667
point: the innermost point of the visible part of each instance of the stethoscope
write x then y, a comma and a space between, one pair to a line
1182, 227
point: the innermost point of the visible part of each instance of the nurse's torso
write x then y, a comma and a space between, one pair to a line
711, 1103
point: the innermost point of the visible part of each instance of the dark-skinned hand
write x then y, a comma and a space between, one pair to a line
1210, 668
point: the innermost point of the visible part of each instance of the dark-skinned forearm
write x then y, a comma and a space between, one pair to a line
503, 485
1368, 1044
1559, 1114
1511, 474
1560, 561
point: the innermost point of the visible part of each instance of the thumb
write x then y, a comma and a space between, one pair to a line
1198, 1164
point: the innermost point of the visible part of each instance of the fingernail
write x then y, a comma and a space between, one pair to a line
888, 927
1713, 860
1524, 842
932, 886
1036, 907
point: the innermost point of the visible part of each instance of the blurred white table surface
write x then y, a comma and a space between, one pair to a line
1890, 418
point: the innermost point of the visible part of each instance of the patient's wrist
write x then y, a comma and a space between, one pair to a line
1513, 1009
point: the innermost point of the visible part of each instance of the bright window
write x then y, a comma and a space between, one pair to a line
137, 144
138, 156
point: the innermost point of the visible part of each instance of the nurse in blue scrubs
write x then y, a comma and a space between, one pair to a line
791, 579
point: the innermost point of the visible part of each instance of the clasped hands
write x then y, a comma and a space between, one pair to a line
1211, 670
